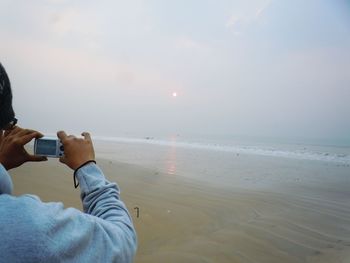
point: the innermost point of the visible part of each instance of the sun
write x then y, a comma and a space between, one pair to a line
174, 94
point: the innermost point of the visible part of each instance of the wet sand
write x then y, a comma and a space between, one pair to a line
187, 220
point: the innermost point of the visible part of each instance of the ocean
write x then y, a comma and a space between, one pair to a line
228, 163
338, 155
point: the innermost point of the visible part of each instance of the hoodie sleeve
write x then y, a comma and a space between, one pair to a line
104, 233
6, 185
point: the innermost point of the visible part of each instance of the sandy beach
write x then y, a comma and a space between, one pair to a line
303, 216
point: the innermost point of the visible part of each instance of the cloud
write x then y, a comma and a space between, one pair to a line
72, 21
83, 70
232, 21
188, 43
261, 10
237, 23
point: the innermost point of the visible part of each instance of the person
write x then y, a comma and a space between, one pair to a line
34, 231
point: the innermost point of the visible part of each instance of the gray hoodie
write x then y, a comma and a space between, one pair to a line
33, 231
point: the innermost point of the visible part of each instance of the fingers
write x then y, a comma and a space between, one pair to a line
7, 132
19, 132
22, 136
62, 159
36, 158
62, 135
14, 131
27, 132
87, 136
28, 136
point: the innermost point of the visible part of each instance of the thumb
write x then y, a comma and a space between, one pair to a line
36, 158
62, 159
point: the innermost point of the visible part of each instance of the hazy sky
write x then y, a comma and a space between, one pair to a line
258, 68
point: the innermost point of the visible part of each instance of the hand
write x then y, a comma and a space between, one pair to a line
77, 151
12, 152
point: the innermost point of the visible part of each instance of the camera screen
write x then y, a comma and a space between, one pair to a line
46, 147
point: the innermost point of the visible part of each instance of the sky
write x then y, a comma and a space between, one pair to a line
263, 68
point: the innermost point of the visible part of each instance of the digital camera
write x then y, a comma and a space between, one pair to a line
49, 147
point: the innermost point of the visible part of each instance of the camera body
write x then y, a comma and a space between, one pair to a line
49, 147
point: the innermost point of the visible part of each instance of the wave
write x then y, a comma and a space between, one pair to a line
304, 154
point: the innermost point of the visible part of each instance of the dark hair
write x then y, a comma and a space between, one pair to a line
6, 111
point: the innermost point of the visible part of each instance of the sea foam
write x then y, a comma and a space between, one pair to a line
301, 154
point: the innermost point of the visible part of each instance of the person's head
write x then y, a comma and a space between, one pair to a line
7, 115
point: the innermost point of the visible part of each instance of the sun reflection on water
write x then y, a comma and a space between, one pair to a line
170, 160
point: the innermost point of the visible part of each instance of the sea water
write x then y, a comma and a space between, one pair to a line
338, 155
231, 163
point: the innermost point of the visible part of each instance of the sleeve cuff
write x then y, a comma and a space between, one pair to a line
6, 185
90, 177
